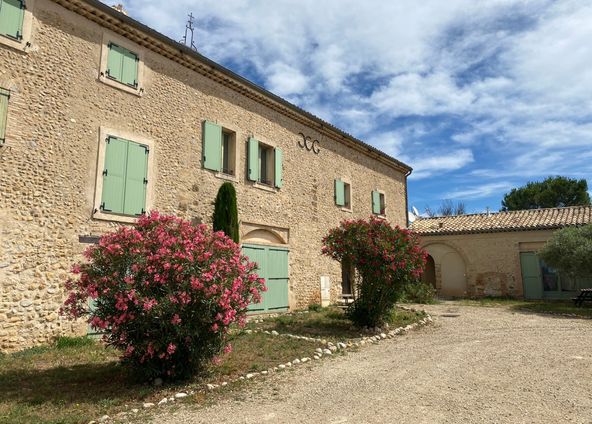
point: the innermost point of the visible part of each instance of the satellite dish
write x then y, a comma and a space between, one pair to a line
415, 211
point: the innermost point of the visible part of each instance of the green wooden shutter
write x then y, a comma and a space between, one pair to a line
278, 168
376, 202
531, 275
212, 146
115, 62
129, 71
112, 198
4, 96
253, 173
12, 13
136, 179
339, 193
276, 296
258, 254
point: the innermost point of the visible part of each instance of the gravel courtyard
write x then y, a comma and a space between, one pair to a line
490, 365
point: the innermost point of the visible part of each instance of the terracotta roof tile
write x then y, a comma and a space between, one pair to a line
532, 219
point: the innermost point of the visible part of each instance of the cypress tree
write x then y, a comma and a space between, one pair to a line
225, 216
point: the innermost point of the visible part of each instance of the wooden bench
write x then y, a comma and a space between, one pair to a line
585, 295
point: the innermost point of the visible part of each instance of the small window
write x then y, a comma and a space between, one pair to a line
12, 14
122, 65
228, 152
378, 203
4, 96
219, 149
264, 164
343, 194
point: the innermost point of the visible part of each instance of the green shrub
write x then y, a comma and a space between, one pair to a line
225, 216
315, 307
68, 342
570, 250
419, 292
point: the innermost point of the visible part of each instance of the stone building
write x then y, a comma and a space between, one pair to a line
495, 254
103, 118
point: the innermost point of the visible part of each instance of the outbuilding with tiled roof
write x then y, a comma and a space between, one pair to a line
495, 254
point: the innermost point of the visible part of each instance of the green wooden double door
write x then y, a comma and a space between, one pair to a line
273, 267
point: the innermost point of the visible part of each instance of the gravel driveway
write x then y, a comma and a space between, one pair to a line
487, 365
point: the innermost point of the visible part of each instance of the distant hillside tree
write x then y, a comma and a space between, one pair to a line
553, 192
225, 216
447, 208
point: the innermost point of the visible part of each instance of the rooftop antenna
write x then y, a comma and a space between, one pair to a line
189, 29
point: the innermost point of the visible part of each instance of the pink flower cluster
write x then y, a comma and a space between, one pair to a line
165, 292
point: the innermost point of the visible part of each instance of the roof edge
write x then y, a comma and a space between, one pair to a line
207, 67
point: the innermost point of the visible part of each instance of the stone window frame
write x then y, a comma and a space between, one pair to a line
347, 182
111, 37
104, 133
227, 128
269, 144
24, 43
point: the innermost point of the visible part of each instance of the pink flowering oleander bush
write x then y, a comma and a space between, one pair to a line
165, 293
386, 259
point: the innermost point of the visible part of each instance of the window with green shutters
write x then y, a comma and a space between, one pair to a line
12, 14
122, 65
4, 96
378, 203
125, 177
342, 194
265, 164
219, 149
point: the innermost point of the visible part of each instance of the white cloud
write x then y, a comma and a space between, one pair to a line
436, 163
479, 191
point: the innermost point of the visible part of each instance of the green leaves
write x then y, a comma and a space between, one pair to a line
551, 193
570, 251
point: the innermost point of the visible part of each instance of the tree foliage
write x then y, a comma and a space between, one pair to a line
570, 251
386, 259
165, 293
225, 216
551, 193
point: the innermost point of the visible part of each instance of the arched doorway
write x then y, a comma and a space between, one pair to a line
429, 274
268, 249
452, 270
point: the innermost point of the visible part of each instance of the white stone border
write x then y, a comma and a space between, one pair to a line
328, 350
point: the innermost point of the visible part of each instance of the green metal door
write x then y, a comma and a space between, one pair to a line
273, 267
531, 275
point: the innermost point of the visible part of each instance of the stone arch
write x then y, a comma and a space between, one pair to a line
429, 274
450, 269
263, 236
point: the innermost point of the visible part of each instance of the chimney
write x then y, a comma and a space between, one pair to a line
119, 8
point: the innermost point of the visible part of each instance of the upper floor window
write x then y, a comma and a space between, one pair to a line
219, 149
343, 194
12, 16
265, 164
123, 185
378, 203
122, 65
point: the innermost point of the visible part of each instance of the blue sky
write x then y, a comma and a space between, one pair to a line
478, 97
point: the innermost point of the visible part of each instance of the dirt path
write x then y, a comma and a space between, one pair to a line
487, 365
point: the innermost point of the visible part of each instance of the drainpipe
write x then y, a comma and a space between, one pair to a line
407, 199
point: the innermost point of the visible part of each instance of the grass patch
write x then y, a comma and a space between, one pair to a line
328, 323
78, 379
538, 306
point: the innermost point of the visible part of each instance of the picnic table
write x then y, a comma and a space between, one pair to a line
585, 295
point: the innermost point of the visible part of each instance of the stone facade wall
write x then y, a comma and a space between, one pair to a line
49, 165
492, 260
